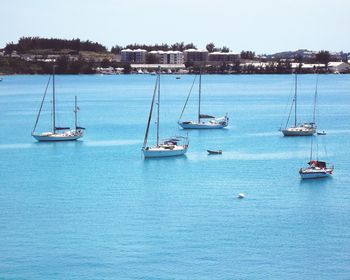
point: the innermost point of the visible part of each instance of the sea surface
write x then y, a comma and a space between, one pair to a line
95, 209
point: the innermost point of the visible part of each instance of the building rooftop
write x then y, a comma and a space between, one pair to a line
130, 50
155, 66
195, 50
224, 53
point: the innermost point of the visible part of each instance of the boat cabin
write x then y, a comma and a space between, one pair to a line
317, 163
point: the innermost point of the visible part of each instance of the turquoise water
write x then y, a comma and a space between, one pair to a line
94, 209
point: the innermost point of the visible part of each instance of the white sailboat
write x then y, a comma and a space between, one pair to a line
58, 133
168, 147
299, 129
203, 121
316, 168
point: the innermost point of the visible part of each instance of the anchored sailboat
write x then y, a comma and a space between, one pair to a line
57, 133
203, 121
299, 129
316, 168
168, 147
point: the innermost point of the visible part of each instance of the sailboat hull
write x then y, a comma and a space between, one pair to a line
204, 125
157, 152
298, 132
314, 174
56, 137
295, 133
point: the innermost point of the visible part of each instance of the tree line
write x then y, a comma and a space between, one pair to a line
154, 47
71, 62
26, 44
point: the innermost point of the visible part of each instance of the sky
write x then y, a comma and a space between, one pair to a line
263, 26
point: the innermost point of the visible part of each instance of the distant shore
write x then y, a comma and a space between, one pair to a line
34, 55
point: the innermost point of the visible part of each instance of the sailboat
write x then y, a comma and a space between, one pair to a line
299, 129
316, 168
175, 146
203, 121
58, 133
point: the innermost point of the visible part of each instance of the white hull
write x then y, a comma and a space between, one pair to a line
153, 152
298, 132
56, 137
315, 173
203, 125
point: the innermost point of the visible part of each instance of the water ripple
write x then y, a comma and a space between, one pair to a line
230, 155
106, 143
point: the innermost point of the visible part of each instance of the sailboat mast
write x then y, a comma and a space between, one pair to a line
41, 105
295, 100
315, 101
158, 103
150, 115
53, 102
76, 113
199, 95
311, 147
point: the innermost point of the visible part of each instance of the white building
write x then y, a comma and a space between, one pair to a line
133, 56
196, 56
222, 57
309, 66
173, 57
339, 67
168, 57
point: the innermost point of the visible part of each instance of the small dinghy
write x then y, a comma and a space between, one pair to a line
321, 133
214, 152
240, 196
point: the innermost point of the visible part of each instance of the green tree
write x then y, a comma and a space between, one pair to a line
116, 49
210, 47
178, 46
62, 64
323, 57
225, 49
189, 46
127, 68
299, 58
247, 55
105, 63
